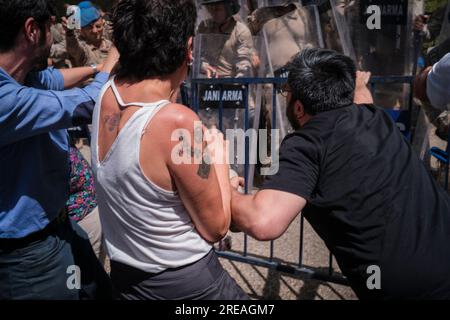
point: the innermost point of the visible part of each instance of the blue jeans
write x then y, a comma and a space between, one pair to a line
44, 269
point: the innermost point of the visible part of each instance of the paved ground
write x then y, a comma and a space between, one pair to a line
262, 283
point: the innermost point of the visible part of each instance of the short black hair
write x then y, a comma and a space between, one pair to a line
151, 36
322, 80
14, 13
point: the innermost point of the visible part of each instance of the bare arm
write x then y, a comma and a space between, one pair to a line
75, 76
420, 85
203, 187
265, 215
362, 92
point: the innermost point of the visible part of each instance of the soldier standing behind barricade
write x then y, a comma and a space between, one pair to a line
89, 46
227, 51
233, 58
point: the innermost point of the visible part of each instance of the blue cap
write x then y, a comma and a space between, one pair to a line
88, 13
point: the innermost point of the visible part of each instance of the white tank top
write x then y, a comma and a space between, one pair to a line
144, 226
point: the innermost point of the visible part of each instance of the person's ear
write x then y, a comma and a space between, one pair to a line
32, 31
299, 110
190, 51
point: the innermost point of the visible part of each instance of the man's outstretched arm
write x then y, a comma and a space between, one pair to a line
265, 215
74, 76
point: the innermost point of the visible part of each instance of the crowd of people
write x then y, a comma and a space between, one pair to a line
345, 166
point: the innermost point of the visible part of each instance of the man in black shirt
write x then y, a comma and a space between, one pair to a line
359, 184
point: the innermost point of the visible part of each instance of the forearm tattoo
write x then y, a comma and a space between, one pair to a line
204, 168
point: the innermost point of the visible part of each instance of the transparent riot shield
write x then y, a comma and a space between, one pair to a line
284, 29
244, 7
382, 39
333, 28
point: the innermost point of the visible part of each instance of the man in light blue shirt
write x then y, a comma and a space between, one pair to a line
39, 248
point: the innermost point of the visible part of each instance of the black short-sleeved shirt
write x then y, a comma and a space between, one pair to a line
371, 200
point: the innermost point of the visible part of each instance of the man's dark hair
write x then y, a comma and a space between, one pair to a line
14, 13
322, 80
151, 36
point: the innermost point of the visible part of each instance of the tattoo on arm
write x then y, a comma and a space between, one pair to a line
112, 121
204, 168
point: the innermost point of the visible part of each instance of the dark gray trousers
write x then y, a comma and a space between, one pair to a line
203, 280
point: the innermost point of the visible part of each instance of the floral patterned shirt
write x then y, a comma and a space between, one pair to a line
82, 198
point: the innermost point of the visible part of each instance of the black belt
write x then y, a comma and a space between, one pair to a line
16, 243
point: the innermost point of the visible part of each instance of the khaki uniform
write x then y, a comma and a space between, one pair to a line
60, 57
58, 33
58, 53
82, 53
229, 51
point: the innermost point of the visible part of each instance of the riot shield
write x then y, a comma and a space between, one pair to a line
284, 28
445, 24
243, 6
333, 27
382, 38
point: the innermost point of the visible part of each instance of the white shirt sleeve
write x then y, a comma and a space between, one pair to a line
438, 84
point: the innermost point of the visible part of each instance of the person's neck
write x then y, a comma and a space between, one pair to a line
163, 87
15, 64
152, 89
227, 26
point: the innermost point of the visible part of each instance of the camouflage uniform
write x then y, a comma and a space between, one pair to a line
58, 33
58, 53
82, 53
